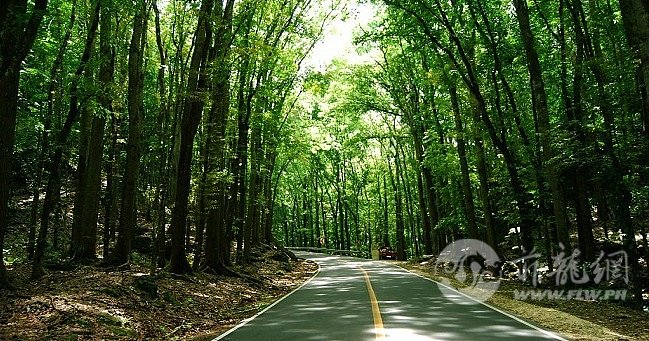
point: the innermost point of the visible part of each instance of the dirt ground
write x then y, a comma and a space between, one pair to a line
92, 303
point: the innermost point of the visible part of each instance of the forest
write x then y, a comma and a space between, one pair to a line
195, 130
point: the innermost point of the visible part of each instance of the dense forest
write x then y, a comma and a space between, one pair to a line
196, 131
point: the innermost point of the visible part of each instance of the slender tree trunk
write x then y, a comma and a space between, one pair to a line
385, 236
325, 233
464, 168
202, 202
398, 211
409, 205
110, 201
251, 234
425, 210
160, 235
267, 211
81, 178
318, 200
483, 177
241, 162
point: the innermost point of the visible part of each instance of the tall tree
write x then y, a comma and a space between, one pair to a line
190, 119
18, 32
539, 101
464, 167
53, 186
128, 211
91, 148
217, 245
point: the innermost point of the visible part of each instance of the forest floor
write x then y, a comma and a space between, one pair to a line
87, 302
574, 319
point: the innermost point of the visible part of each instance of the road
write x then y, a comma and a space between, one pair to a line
354, 299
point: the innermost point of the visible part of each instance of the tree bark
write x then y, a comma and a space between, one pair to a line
90, 169
467, 192
635, 16
398, 210
190, 120
158, 258
17, 35
128, 212
217, 246
539, 100
53, 183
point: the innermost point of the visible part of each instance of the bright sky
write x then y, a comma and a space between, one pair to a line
338, 36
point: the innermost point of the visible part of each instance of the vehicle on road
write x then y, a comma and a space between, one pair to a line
387, 252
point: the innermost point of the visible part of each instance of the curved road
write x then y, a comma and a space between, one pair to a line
355, 299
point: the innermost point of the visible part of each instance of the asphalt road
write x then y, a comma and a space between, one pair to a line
353, 299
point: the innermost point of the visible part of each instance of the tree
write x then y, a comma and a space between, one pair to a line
15, 23
636, 27
190, 119
53, 186
128, 212
539, 100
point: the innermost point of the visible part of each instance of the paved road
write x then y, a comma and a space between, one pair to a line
353, 299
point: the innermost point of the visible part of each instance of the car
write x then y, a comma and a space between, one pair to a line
387, 252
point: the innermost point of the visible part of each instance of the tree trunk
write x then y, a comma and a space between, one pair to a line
483, 177
238, 192
110, 200
17, 35
158, 258
469, 207
398, 211
217, 246
90, 170
201, 215
128, 212
251, 234
385, 235
409, 205
190, 120
539, 100
8, 106
635, 15
53, 183
47, 126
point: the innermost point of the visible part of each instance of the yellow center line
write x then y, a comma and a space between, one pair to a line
376, 312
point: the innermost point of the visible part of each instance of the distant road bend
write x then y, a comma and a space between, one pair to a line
354, 299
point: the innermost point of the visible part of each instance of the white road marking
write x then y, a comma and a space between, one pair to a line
244, 322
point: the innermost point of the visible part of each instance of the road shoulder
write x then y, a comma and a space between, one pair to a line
575, 320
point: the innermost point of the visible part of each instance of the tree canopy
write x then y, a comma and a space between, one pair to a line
194, 131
